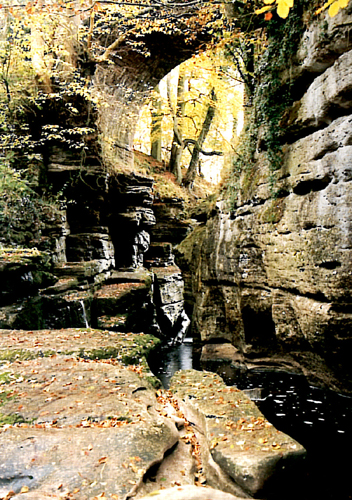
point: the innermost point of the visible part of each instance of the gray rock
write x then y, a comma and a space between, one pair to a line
332, 88
189, 493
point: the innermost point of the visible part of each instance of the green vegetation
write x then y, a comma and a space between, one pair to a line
6, 395
271, 97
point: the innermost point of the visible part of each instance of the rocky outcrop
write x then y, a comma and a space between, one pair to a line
241, 452
273, 276
76, 422
77, 425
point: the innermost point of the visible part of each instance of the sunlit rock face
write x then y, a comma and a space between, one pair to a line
274, 276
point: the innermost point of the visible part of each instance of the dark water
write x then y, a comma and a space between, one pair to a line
320, 420
167, 360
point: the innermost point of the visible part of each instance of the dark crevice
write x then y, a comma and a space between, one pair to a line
152, 472
341, 308
312, 185
295, 132
259, 327
331, 149
332, 264
250, 245
318, 296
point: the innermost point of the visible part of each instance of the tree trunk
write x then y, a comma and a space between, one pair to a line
178, 116
157, 117
40, 62
193, 165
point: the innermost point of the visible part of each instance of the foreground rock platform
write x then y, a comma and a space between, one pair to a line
240, 448
87, 343
78, 427
77, 422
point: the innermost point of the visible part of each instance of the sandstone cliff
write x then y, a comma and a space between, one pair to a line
272, 274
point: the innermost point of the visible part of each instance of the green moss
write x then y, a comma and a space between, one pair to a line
194, 239
5, 378
17, 355
270, 98
11, 419
102, 353
274, 211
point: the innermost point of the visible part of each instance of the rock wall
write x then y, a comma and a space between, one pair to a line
273, 276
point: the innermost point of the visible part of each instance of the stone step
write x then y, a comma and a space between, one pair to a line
81, 270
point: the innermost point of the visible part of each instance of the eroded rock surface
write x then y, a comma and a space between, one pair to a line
257, 458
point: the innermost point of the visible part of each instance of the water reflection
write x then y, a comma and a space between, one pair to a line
169, 359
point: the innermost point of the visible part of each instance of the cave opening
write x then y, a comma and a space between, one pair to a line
259, 329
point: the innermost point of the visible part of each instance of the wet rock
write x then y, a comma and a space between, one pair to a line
133, 300
22, 273
259, 459
169, 300
222, 358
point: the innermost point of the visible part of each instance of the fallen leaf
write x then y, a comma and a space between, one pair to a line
10, 495
102, 460
24, 489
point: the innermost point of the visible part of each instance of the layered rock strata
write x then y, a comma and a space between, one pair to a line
273, 276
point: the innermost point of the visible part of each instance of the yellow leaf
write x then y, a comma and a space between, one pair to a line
24, 489
343, 3
267, 2
283, 8
263, 9
325, 6
333, 9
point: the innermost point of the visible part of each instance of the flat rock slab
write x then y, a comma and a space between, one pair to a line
118, 298
188, 493
67, 391
82, 462
82, 342
134, 276
78, 426
242, 442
